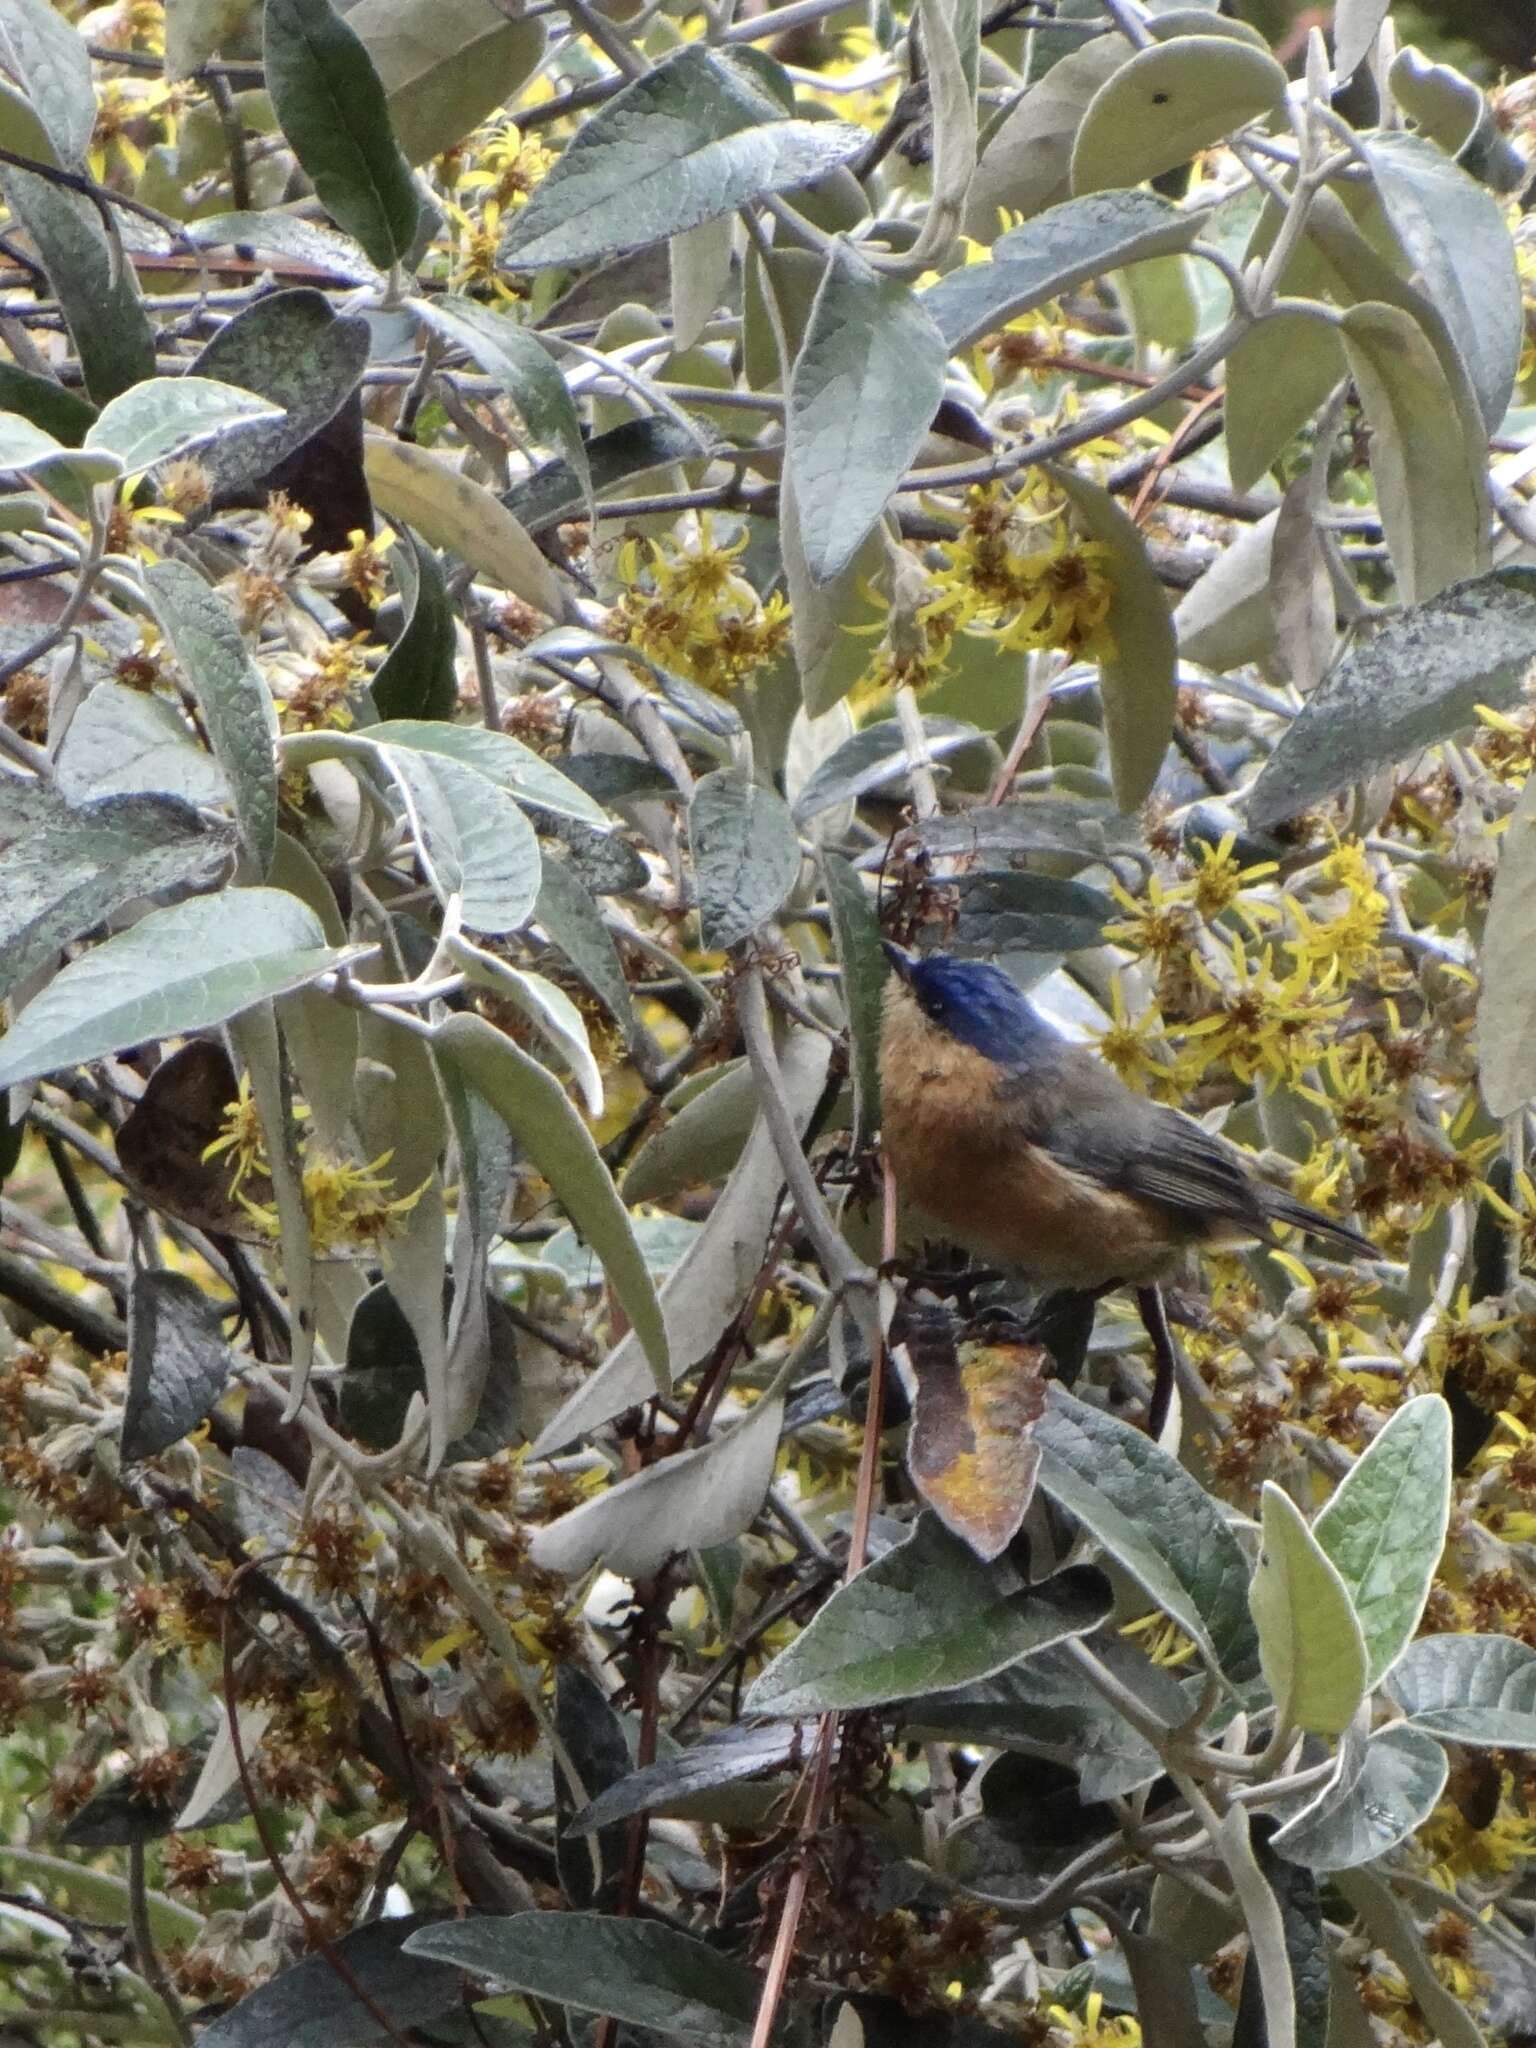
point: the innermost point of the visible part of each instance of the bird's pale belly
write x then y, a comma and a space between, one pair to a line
1013, 1203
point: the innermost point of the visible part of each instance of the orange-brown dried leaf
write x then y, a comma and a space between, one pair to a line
971, 1449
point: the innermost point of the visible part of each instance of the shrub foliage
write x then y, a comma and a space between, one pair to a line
529, 542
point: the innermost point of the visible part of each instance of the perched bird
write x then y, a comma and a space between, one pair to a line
1028, 1149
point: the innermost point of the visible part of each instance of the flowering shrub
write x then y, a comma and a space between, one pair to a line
529, 542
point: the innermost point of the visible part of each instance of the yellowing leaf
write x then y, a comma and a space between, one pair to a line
971, 1449
1310, 1644
451, 511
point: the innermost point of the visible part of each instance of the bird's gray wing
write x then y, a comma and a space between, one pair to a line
1187, 1169
1084, 1115
1078, 1110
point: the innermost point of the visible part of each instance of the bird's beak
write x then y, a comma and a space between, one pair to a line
902, 962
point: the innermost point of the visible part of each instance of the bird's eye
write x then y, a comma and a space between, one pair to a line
933, 1006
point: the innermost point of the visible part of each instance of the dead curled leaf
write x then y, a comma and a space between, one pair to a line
970, 1449
160, 1146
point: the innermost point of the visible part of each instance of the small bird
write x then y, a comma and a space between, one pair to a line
1028, 1149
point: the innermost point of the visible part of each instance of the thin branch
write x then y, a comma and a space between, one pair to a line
842, 1269
32, 1290
1008, 461
313, 1929
777, 1973
79, 597
100, 196
146, 1955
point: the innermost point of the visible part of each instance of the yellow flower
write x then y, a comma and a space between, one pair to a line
1466, 1337
1353, 1093
1163, 1641
1525, 261
350, 1204
507, 164
321, 697
1129, 1046
123, 105
1056, 595
1219, 881
1029, 346
241, 1136
699, 615
1090, 2029
474, 248
1347, 936
1318, 1178
1072, 590
346, 1204
365, 567
1265, 1024
132, 25
1157, 926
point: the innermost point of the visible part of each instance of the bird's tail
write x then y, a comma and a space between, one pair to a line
1283, 1208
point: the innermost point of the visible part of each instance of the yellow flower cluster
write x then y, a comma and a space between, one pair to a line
1454, 1848
1213, 942
1019, 573
347, 1204
489, 175
687, 606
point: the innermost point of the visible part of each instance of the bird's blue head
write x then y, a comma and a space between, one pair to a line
977, 1004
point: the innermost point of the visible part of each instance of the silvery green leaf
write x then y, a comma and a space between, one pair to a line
1474, 1689
295, 351
1138, 677
746, 857
47, 57
332, 110
73, 869
284, 234
98, 293
690, 1501
500, 757
1388, 1785
1058, 250
418, 677
1156, 1521
474, 841
1385, 1526
525, 370
927, 1615
445, 65
231, 693
711, 1280
124, 742
1453, 234
168, 415
175, 971
1427, 451
644, 1972
1506, 1043
311, 2005
1171, 100
1418, 680
548, 1008
874, 756
866, 384
534, 1107
690, 141
574, 924
1310, 1642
